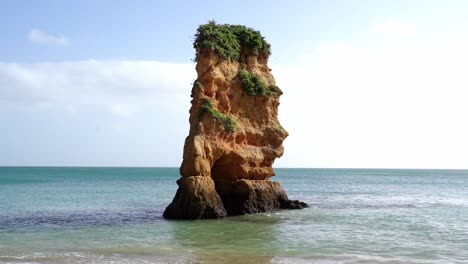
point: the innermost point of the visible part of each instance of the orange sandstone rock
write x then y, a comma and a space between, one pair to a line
249, 151
235, 135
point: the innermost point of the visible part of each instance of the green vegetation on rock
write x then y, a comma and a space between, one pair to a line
199, 85
230, 40
253, 85
226, 121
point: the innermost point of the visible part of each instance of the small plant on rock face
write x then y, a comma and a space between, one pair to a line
206, 107
253, 85
226, 121
199, 85
273, 90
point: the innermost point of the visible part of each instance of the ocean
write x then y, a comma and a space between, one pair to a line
114, 215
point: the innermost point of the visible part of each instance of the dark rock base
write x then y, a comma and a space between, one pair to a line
196, 198
254, 196
293, 204
200, 198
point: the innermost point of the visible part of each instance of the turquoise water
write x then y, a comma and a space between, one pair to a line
113, 215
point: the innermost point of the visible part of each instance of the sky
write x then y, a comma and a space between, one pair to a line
367, 84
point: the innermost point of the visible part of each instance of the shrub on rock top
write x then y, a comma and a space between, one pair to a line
229, 41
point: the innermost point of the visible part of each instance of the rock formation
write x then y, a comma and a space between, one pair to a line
235, 135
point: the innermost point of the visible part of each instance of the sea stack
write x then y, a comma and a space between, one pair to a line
235, 135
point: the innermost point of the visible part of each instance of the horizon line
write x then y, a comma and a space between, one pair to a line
171, 167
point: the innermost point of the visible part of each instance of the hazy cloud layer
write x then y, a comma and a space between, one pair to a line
393, 27
120, 87
344, 105
40, 37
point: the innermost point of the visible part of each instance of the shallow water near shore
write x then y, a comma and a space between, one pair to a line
114, 215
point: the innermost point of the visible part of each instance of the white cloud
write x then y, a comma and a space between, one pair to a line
120, 87
386, 106
40, 37
393, 27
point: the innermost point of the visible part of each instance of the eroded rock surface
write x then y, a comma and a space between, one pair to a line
247, 152
235, 135
196, 198
251, 196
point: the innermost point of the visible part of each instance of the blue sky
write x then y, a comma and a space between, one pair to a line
107, 83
